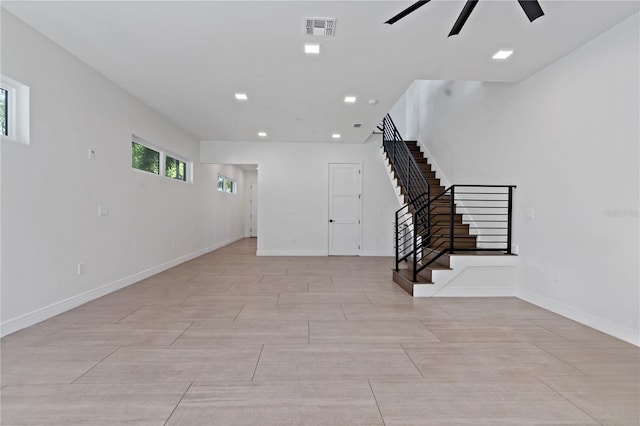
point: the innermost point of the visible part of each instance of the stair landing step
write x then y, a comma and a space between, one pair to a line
403, 278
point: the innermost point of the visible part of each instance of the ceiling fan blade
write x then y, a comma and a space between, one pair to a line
407, 11
464, 15
532, 9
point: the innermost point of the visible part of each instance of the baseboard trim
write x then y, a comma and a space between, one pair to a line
292, 253
377, 253
475, 292
600, 324
23, 321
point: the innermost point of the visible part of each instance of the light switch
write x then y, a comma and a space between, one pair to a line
529, 214
92, 154
103, 211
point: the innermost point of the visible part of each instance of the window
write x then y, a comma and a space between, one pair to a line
175, 169
144, 158
150, 158
226, 185
14, 110
4, 122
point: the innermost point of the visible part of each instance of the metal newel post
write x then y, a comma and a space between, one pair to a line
451, 213
397, 245
415, 247
509, 219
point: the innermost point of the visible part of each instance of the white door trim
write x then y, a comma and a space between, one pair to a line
357, 250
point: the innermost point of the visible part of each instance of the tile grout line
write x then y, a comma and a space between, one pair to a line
183, 331
411, 359
176, 407
566, 399
343, 313
376, 400
550, 331
431, 331
96, 364
236, 317
257, 362
128, 315
558, 358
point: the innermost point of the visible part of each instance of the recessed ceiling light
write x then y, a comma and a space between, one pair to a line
262, 134
336, 136
502, 54
312, 49
241, 96
350, 99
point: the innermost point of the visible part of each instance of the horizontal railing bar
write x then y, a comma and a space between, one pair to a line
478, 249
484, 214
457, 185
478, 199
481, 193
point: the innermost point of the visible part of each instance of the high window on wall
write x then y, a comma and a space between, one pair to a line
150, 158
226, 185
14, 110
4, 116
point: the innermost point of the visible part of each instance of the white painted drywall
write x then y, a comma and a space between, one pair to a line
293, 193
569, 138
51, 190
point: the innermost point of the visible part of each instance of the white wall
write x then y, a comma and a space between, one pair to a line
293, 193
569, 138
51, 191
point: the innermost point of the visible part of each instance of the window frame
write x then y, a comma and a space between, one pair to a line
162, 172
225, 180
151, 148
7, 103
17, 108
188, 165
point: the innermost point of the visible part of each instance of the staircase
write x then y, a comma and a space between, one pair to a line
437, 223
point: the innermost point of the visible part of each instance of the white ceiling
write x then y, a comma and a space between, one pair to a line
186, 59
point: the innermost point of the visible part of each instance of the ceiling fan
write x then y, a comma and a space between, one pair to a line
531, 8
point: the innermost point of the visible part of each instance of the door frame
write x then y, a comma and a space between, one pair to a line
329, 177
253, 233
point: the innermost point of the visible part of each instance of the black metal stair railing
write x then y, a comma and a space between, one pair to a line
463, 218
402, 161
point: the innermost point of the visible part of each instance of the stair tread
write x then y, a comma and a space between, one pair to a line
437, 267
406, 274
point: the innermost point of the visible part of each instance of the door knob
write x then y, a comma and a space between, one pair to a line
330, 220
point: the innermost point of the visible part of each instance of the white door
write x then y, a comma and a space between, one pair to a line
253, 201
345, 208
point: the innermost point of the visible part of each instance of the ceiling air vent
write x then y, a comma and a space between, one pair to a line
325, 27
